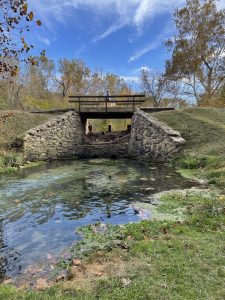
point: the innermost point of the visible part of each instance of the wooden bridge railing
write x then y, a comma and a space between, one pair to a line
107, 100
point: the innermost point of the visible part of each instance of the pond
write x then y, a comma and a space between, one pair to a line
41, 207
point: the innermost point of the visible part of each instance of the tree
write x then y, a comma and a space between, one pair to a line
198, 50
100, 83
74, 77
115, 84
15, 17
155, 85
96, 83
38, 79
10, 92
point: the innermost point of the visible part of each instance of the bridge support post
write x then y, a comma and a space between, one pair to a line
106, 105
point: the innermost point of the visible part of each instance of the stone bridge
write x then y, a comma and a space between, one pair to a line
64, 138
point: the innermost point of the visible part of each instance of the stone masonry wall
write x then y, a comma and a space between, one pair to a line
106, 150
63, 138
60, 138
151, 139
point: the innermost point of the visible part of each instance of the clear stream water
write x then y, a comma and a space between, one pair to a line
41, 207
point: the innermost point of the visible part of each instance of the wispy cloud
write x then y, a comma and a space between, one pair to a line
44, 40
126, 13
133, 13
133, 77
81, 50
151, 46
165, 34
113, 28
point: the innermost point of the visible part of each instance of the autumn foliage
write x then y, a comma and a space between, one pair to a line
15, 21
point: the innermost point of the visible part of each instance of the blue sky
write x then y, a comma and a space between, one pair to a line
118, 36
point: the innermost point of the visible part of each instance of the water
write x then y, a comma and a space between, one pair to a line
40, 208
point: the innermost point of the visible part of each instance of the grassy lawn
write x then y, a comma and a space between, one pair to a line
158, 259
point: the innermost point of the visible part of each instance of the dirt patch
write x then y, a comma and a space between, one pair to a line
86, 276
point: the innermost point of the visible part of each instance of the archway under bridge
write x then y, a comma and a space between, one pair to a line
109, 107
104, 117
64, 137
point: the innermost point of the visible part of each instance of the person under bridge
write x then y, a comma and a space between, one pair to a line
107, 95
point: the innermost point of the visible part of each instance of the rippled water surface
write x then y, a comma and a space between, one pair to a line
40, 208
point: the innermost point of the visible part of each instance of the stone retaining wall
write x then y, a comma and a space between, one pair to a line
106, 150
151, 139
59, 138
63, 138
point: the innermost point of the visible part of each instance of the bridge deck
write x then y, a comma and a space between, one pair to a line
109, 106
100, 104
115, 113
112, 113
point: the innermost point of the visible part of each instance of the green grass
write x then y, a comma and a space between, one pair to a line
202, 128
10, 161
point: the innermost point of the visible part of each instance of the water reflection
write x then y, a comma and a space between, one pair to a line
40, 208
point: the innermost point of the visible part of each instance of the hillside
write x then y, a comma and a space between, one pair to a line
202, 128
204, 132
13, 124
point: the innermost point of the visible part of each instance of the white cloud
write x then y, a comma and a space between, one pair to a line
80, 50
151, 46
109, 31
134, 79
125, 13
165, 34
44, 40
